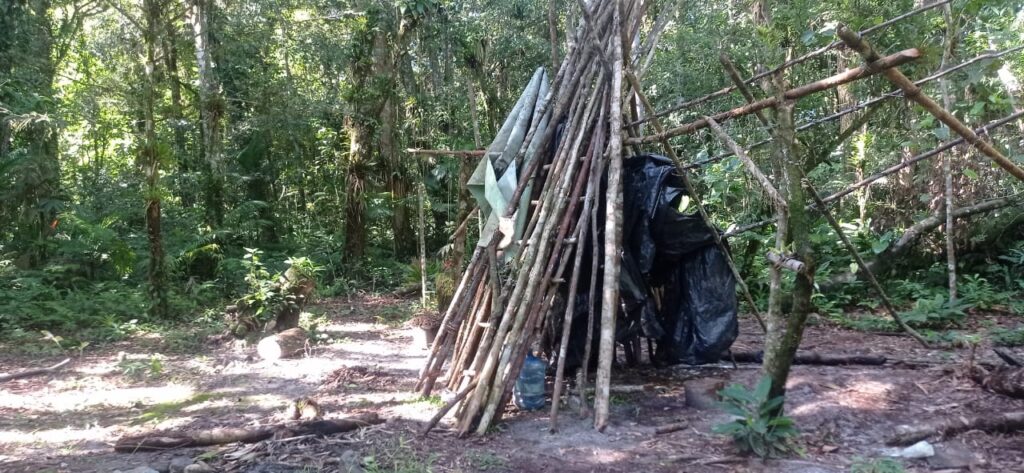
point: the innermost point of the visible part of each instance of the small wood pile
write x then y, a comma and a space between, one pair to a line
499, 309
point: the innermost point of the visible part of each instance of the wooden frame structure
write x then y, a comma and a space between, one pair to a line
493, 318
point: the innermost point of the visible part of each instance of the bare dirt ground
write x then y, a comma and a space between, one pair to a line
67, 421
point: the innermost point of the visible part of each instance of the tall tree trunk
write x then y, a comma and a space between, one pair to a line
947, 157
360, 135
212, 111
397, 179
28, 51
150, 161
175, 112
786, 330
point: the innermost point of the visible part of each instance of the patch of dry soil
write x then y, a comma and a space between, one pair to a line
67, 422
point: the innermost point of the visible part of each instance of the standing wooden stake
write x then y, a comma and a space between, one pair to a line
947, 172
612, 232
886, 302
914, 93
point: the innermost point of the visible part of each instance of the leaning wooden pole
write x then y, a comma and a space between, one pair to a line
886, 302
913, 92
789, 63
875, 67
612, 232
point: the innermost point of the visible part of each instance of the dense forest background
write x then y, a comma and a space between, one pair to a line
160, 159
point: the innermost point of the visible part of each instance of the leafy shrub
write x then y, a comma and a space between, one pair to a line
756, 427
877, 465
1008, 337
936, 312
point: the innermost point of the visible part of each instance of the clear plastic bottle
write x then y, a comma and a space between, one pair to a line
529, 388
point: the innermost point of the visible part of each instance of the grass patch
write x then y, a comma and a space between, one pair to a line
164, 410
1007, 337
396, 456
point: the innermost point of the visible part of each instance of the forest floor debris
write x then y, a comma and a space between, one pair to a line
67, 421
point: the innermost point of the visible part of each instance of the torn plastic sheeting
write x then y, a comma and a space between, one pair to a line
496, 176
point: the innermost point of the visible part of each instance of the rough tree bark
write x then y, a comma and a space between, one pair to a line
212, 109
149, 160
786, 330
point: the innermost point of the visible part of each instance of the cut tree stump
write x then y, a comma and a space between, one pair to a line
221, 436
1007, 422
286, 344
702, 393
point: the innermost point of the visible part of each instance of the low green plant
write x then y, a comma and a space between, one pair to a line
398, 457
1007, 337
978, 292
936, 312
757, 428
138, 370
876, 465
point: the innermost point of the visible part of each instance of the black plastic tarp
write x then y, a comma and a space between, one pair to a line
671, 253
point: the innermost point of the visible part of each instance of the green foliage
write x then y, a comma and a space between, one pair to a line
138, 370
936, 312
397, 456
262, 292
876, 465
1004, 337
756, 428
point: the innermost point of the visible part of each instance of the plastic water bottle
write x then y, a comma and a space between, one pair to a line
529, 389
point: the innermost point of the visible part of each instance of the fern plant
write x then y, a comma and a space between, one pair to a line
756, 427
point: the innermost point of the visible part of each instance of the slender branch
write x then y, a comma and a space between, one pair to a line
787, 64
886, 302
875, 67
914, 93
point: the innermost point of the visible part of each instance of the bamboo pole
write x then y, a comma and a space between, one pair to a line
462, 153
752, 168
612, 231
914, 93
862, 105
875, 67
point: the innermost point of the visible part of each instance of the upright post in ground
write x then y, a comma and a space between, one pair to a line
612, 232
685, 176
947, 172
886, 302
786, 330
914, 93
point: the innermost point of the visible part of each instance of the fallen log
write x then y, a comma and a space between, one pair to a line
286, 344
33, 372
814, 358
1005, 380
1006, 422
221, 436
669, 428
